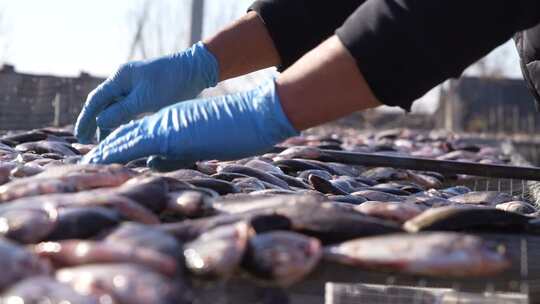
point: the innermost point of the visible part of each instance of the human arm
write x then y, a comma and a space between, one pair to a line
327, 83
147, 86
248, 123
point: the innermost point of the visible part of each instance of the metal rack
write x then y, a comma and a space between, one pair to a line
338, 284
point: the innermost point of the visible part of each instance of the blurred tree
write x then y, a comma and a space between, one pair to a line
159, 27
5, 38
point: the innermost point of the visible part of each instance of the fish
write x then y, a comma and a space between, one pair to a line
207, 167
304, 152
20, 171
24, 137
427, 254
264, 166
56, 156
220, 186
228, 176
325, 186
259, 213
148, 191
394, 211
304, 175
43, 289
261, 175
66, 179
249, 184
292, 181
331, 222
282, 258
457, 190
43, 147
517, 206
125, 284
73, 253
379, 196
349, 199
388, 190
82, 149
5, 173
296, 165
270, 192
383, 174
490, 198
184, 174
27, 225
190, 204
74, 215
80, 223
346, 170
454, 218
137, 235
460, 154
18, 263
218, 252
424, 180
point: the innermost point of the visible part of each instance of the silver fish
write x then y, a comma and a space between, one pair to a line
430, 254
42, 289
217, 253
282, 258
394, 211
77, 252
17, 263
124, 284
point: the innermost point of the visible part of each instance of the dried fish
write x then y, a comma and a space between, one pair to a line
394, 211
124, 284
42, 289
190, 204
66, 179
17, 263
282, 258
220, 186
263, 176
379, 196
264, 166
76, 253
42, 147
217, 253
431, 254
325, 186
304, 152
490, 198
518, 207
143, 236
455, 218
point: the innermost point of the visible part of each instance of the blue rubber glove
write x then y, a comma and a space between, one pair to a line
225, 128
146, 86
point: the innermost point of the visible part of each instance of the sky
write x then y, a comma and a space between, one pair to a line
65, 37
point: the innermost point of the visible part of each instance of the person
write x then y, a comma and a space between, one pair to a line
335, 57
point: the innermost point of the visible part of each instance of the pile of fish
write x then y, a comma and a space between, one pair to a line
72, 233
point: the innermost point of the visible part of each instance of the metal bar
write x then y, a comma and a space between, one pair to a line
422, 164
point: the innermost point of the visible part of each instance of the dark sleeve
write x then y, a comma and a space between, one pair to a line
297, 26
406, 47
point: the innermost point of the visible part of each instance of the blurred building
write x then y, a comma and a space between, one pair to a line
490, 106
34, 101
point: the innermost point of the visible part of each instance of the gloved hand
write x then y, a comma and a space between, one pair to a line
225, 128
147, 86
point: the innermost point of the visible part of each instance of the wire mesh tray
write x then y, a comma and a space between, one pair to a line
337, 284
